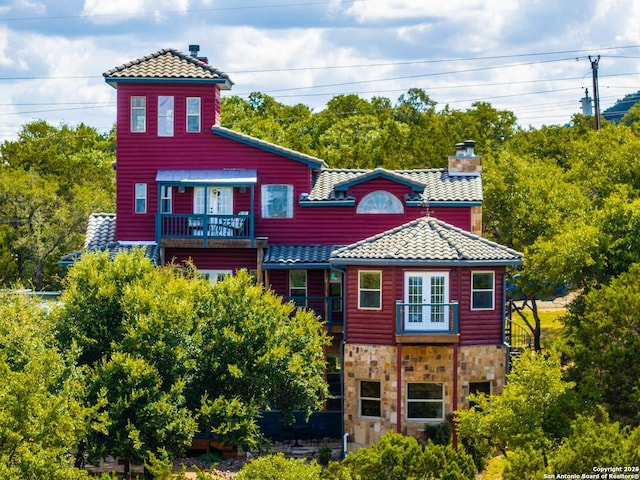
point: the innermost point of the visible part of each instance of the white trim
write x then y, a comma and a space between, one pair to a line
198, 115
360, 307
493, 290
427, 312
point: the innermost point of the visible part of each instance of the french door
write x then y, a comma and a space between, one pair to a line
217, 201
426, 301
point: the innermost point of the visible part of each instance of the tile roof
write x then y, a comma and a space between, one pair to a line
101, 236
439, 186
285, 256
168, 64
101, 230
426, 241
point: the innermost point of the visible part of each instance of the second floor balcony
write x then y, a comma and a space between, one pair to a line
427, 322
329, 309
205, 230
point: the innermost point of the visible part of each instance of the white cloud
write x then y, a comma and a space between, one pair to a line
113, 11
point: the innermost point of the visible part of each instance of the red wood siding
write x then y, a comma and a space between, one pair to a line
457, 216
371, 326
214, 259
482, 327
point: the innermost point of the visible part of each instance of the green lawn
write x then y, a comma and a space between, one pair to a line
549, 323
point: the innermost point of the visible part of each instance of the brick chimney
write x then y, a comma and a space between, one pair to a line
465, 163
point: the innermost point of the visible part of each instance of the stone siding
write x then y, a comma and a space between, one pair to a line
419, 363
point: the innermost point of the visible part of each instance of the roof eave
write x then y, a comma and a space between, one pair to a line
225, 84
384, 262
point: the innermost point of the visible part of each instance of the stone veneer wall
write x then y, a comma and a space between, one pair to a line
420, 363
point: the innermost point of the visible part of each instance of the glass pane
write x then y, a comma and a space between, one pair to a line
369, 299
425, 410
370, 389
370, 408
380, 202
370, 280
483, 300
424, 391
193, 106
298, 279
483, 281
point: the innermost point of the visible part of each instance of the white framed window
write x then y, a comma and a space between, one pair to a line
193, 114
426, 295
277, 201
138, 114
215, 276
165, 116
369, 290
380, 201
425, 401
298, 287
369, 399
482, 290
165, 199
141, 198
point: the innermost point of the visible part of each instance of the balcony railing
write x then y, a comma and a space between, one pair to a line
201, 226
329, 309
426, 318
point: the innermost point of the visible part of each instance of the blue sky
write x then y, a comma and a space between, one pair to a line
527, 56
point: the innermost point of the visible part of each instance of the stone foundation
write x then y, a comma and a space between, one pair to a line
419, 363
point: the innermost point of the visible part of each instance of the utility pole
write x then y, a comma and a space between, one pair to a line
596, 95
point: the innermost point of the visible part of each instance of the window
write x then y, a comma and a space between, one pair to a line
426, 295
335, 290
165, 116
298, 287
215, 276
482, 291
193, 114
277, 201
141, 198
479, 387
425, 401
334, 380
165, 199
138, 114
380, 202
370, 290
369, 399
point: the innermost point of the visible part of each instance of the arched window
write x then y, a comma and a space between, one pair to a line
380, 202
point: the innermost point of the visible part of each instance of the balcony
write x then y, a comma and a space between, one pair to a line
329, 309
201, 230
427, 323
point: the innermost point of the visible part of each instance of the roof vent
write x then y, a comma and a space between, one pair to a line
193, 50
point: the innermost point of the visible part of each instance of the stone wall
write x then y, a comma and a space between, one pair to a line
419, 363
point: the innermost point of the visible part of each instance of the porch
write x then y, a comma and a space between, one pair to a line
427, 323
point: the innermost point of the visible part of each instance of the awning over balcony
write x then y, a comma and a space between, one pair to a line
231, 177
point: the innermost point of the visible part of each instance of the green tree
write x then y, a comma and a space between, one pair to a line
597, 443
533, 413
604, 340
42, 415
45, 205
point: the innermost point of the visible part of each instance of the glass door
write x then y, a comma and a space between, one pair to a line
426, 298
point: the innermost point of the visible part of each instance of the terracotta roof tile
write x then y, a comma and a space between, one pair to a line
439, 186
426, 240
167, 64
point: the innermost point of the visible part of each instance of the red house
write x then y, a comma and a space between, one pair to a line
393, 261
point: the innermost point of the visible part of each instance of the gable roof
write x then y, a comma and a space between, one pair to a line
309, 160
438, 187
167, 65
426, 241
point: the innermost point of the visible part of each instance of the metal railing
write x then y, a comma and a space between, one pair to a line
426, 318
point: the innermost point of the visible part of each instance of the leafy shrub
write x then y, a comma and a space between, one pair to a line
277, 467
324, 455
524, 465
440, 434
